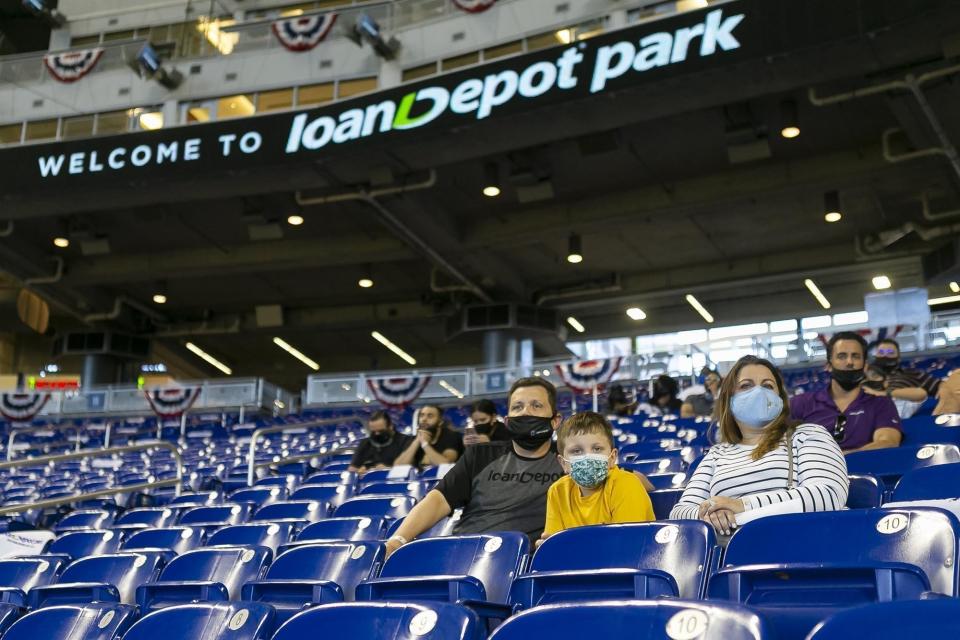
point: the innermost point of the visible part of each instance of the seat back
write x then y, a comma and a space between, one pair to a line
332, 494
306, 510
396, 621
196, 499
866, 492
96, 621
266, 534
335, 477
656, 465
345, 563
176, 539
224, 514
84, 519
376, 507
26, 573
493, 559
684, 549
890, 464
219, 621
354, 528
920, 618
931, 483
413, 488
652, 619
147, 517
230, 566
663, 501
259, 496
79, 544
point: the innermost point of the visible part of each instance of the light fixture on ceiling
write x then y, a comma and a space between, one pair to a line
574, 250
491, 180
452, 389
61, 242
573, 322
955, 287
159, 298
209, 358
789, 121
382, 339
933, 302
815, 290
295, 220
881, 282
831, 206
366, 280
564, 36
636, 313
702, 310
296, 353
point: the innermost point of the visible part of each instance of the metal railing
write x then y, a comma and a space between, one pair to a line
259, 433
29, 67
39, 432
177, 482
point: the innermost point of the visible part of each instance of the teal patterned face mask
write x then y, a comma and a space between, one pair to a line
589, 470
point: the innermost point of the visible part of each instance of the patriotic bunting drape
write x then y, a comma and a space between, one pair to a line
400, 391
584, 375
303, 34
70, 66
173, 401
22, 407
474, 6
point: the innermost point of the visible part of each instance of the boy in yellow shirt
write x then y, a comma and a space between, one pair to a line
595, 490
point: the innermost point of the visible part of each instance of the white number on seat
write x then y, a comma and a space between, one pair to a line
687, 624
893, 523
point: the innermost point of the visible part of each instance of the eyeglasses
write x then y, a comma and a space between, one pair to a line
840, 428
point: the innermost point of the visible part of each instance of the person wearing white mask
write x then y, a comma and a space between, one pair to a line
763, 458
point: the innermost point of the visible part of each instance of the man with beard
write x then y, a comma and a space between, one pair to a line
858, 421
436, 443
501, 486
381, 447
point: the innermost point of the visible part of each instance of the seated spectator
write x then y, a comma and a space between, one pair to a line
876, 382
622, 401
763, 457
501, 486
486, 425
911, 385
436, 443
381, 448
948, 395
858, 420
663, 398
595, 490
701, 404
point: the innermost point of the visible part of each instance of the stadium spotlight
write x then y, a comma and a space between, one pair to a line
491, 182
39, 8
789, 121
367, 30
881, 282
147, 64
831, 206
574, 253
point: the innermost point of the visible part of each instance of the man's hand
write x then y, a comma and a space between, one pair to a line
475, 438
425, 437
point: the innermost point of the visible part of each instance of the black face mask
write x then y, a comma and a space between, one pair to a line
848, 379
530, 432
381, 437
887, 364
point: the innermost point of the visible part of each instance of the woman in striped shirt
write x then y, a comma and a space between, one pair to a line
749, 469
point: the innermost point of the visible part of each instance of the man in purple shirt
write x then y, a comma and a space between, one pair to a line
857, 420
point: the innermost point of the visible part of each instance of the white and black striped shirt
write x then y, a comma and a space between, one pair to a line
820, 475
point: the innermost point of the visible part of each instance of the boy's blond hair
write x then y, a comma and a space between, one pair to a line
581, 423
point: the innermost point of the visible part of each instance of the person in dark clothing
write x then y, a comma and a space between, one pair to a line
435, 444
381, 448
487, 427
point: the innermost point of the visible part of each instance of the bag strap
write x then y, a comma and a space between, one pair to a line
789, 436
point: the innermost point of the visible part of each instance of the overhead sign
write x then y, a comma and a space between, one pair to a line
673, 46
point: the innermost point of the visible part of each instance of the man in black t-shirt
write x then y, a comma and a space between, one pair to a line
381, 448
501, 486
435, 444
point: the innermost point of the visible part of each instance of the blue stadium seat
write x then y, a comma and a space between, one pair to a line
205, 575
99, 621
651, 620
196, 499
177, 540
384, 621
931, 483
866, 492
332, 494
149, 517
662, 481
84, 520
664, 500
443, 528
650, 449
803, 567
375, 507
263, 534
288, 482
336, 466
890, 464
658, 465
217, 516
318, 573
79, 544
19, 575
259, 496
104, 578
302, 511
413, 488
455, 568
919, 430
938, 618
214, 621
641, 560
332, 477
356, 529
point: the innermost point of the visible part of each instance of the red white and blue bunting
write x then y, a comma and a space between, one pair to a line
398, 392
474, 6
70, 66
303, 34
872, 336
22, 407
172, 401
584, 375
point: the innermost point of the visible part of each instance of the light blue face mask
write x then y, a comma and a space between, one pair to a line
589, 470
756, 407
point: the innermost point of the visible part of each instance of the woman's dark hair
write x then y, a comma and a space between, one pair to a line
730, 430
484, 406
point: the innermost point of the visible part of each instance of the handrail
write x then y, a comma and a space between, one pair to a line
13, 436
96, 453
251, 455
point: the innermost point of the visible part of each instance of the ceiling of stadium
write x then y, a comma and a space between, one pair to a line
675, 188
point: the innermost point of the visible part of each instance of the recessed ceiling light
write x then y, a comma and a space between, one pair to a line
881, 282
295, 220
815, 290
491, 191
365, 283
636, 313
573, 322
63, 243
159, 298
833, 216
702, 310
574, 252
955, 287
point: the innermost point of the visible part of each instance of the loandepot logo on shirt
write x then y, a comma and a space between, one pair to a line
479, 97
